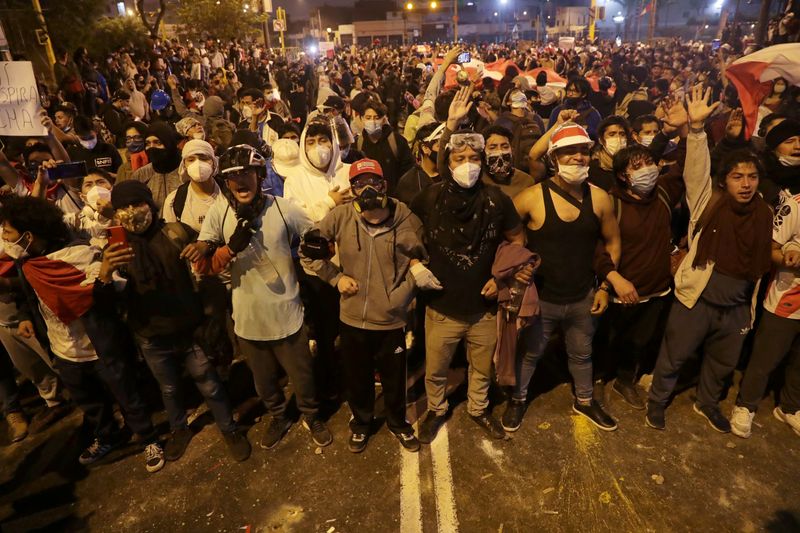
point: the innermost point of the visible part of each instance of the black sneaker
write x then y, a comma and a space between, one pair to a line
277, 428
96, 451
430, 427
512, 418
715, 418
490, 425
238, 446
47, 417
319, 432
408, 440
630, 393
655, 416
153, 457
594, 412
177, 443
357, 442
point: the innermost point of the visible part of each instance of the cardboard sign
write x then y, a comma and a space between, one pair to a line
19, 100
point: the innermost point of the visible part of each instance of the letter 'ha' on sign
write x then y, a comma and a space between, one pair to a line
19, 100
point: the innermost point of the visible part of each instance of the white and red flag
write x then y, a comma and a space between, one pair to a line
753, 76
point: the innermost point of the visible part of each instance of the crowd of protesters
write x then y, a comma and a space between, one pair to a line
338, 219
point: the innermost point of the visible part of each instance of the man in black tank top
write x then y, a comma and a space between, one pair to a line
566, 220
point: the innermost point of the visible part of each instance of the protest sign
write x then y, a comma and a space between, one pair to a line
19, 100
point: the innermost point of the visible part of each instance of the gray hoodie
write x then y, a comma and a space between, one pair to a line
379, 262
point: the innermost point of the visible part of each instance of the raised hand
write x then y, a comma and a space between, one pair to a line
566, 115
735, 123
460, 106
674, 114
697, 106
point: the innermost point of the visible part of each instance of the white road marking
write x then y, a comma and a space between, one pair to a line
410, 496
443, 483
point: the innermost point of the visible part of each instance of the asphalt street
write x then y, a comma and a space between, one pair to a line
557, 473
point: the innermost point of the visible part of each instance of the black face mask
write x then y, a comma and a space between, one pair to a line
157, 156
163, 160
572, 102
370, 199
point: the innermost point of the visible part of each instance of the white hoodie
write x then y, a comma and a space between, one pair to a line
308, 186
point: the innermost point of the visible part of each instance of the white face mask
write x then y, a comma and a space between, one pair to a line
573, 174
789, 160
615, 144
319, 156
89, 144
466, 174
97, 194
14, 250
643, 180
372, 126
646, 140
247, 112
200, 171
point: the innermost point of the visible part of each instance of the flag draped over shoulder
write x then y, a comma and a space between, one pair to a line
752, 76
64, 280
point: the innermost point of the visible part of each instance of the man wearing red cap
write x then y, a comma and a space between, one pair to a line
565, 209
379, 241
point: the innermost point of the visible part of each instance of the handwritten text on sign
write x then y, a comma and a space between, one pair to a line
19, 100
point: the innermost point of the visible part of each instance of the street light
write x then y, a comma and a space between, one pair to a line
504, 2
524, 13
409, 6
434, 5
619, 19
495, 13
130, 12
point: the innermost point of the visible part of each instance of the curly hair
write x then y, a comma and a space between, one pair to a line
39, 217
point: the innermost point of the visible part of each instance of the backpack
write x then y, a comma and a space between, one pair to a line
392, 144
525, 135
181, 193
622, 107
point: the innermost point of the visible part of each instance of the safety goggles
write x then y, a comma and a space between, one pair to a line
458, 141
367, 180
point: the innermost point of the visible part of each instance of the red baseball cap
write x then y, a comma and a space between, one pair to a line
365, 166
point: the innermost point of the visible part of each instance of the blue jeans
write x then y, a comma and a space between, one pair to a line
166, 357
578, 325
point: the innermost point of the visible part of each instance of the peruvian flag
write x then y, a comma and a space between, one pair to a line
752, 76
64, 280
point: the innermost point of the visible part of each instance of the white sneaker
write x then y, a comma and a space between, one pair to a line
741, 421
154, 457
792, 419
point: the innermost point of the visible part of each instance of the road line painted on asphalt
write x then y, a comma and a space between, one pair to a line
443, 483
410, 496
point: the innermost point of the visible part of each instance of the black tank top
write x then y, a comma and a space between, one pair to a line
567, 248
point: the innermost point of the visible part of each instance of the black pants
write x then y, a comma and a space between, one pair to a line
266, 358
89, 385
321, 302
362, 351
631, 333
776, 338
719, 330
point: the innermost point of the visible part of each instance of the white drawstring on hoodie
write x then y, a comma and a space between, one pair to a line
308, 186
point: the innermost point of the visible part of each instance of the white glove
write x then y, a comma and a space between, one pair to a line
424, 278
